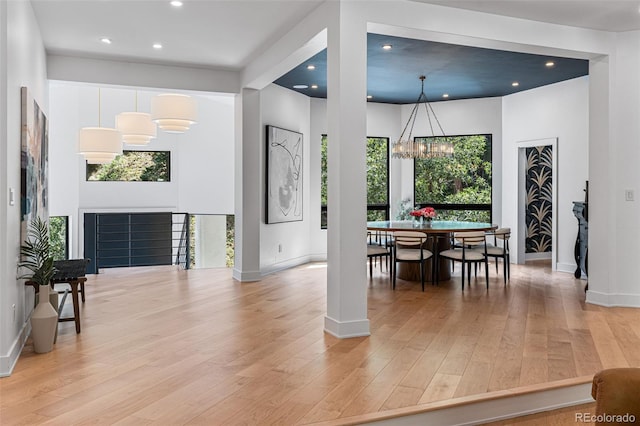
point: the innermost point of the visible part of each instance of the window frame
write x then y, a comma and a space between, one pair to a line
457, 206
65, 220
370, 207
130, 181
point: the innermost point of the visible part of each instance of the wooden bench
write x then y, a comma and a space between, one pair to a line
70, 272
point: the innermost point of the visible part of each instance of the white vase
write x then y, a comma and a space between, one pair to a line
44, 322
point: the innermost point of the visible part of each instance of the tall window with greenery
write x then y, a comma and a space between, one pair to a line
59, 236
458, 187
377, 179
133, 166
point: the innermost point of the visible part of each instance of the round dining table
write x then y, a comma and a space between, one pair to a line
442, 228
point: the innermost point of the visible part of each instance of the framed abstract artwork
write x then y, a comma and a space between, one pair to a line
34, 164
284, 175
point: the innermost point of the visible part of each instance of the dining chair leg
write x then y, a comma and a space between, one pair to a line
422, 273
462, 275
434, 270
504, 269
394, 272
486, 269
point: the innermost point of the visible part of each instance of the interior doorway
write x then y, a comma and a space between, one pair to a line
537, 200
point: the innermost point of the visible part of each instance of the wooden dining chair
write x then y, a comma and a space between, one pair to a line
499, 249
378, 248
410, 247
468, 248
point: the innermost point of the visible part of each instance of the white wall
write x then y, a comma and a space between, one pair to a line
23, 60
201, 158
556, 111
289, 110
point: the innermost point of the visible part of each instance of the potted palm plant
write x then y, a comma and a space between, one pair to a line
38, 261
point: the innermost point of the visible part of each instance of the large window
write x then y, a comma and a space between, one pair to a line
458, 187
59, 236
133, 166
377, 179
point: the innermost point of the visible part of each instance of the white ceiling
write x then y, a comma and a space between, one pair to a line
605, 15
227, 34
222, 34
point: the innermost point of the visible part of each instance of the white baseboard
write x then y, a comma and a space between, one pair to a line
8, 362
285, 264
505, 406
537, 256
569, 268
322, 257
611, 300
246, 276
346, 329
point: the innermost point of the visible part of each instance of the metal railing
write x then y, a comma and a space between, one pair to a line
163, 238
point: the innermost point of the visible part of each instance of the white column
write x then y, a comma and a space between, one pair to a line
614, 130
248, 186
346, 230
601, 245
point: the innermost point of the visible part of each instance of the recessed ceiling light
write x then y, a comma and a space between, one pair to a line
369, 97
157, 46
105, 40
515, 84
445, 95
314, 86
387, 46
176, 3
300, 86
311, 67
549, 64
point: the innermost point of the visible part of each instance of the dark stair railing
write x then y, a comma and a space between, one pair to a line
139, 239
183, 254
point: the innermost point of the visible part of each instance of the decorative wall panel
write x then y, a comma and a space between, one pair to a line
539, 187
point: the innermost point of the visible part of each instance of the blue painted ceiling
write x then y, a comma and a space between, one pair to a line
461, 71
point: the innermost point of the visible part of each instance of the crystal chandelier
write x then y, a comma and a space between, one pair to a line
422, 147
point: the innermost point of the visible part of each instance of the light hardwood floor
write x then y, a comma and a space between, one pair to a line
167, 346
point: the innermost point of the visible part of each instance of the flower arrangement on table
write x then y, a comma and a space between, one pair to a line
428, 213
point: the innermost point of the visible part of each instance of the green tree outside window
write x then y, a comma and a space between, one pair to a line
133, 166
377, 179
463, 181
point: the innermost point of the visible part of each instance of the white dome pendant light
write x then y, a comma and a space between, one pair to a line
136, 127
174, 113
99, 145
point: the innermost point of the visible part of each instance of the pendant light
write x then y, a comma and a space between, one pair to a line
99, 145
174, 113
422, 148
136, 127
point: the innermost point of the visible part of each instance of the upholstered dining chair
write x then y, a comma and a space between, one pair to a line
499, 249
468, 248
410, 247
378, 247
